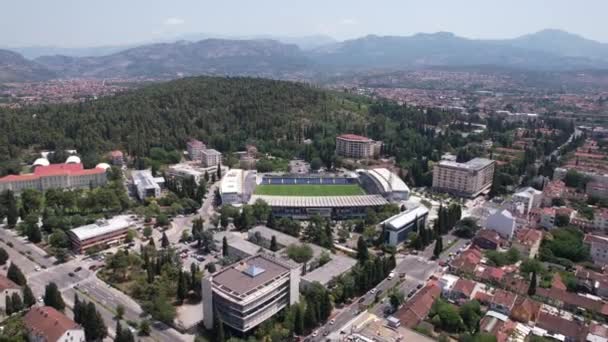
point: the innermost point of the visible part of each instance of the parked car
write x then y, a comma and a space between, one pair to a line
77, 269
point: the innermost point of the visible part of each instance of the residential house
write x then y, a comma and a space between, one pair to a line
467, 261
503, 301
487, 239
7, 289
526, 310
46, 324
418, 307
547, 218
502, 222
529, 197
497, 324
446, 283
597, 332
490, 274
527, 242
571, 330
463, 290
554, 189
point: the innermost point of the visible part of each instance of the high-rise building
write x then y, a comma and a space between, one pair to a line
210, 157
464, 179
195, 148
356, 146
250, 291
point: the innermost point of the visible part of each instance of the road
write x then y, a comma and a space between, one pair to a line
417, 271
22, 245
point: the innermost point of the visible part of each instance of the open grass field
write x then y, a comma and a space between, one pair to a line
309, 190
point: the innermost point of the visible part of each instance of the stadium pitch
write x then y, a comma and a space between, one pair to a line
309, 190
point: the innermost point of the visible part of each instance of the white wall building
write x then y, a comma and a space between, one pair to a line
529, 197
249, 292
398, 227
502, 222
210, 158
145, 184
598, 248
464, 179
237, 186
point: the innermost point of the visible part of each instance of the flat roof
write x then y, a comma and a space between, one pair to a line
101, 227
232, 182
354, 137
473, 164
338, 265
387, 179
238, 280
211, 151
236, 241
144, 179
321, 201
406, 217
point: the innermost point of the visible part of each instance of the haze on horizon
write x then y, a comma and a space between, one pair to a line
72, 23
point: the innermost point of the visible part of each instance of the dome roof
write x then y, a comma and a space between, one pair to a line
73, 159
41, 162
104, 166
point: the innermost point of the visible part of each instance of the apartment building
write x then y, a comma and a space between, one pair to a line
398, 228
356, 146
100, 233
464, 179
145, 184
598, 248
249, 292
195, 149
62, 176
210, 158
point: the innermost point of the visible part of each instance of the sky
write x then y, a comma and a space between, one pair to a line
85, 23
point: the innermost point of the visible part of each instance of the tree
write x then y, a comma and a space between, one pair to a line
165, 241
118, 337
144, 328
218, 329
466, 228
532, 288
315, 164
78, 309
273, 244
59, 239
17, 303
3, 256
12, 213
219, 171
261, 210
28, 297
471, 314
33, 234
362, 252
396, 298
224, 247
52, 297
438, 247
147, 232
120, 311
162, 220
94, 327
182, 288
299, 253
8, 305
15, 274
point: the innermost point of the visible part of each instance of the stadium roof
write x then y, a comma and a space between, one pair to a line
101, 227
388, 180
321, 201
404, 218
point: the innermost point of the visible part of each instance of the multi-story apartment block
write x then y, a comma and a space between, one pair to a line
210, 158
598, 248
72, 176
249, 292
356, 146
195, 148
464, 179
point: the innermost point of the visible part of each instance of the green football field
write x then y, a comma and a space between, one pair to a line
309, 190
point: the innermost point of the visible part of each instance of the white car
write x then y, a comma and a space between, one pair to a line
315, 333
391, 275
37, 268
332, 322
372, 291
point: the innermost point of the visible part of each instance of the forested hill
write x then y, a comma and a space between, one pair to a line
225, 112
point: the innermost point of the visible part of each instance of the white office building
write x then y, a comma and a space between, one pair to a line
211, 157
145, 184
502, 222
529, 197
398, 227
249, 292
237, 186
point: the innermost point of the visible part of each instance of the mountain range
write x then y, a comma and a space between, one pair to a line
309, 57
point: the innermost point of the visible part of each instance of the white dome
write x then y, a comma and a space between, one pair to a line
41, 162
104, 166
72, 160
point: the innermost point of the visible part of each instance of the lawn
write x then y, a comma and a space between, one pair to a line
309, 190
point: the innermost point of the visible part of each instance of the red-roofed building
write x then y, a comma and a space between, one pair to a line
597, 332
463, 290
490, 274
357, 147
487, 239
493, 324
467, 261
527, 242
417, 308
503, 301
525, 310
72, 175
553, 189
572, 330
46, 324
7, 289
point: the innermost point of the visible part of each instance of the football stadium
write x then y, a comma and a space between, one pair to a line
336, 197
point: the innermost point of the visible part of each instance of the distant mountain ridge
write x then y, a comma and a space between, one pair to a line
549, 50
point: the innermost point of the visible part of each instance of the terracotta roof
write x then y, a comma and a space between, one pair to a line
482, 297
48, 322
504, 298
468, 260
557, 282
598, 329
571, 299
354, 137
488, 234
6, 284
116, 153
562, 326
527, 306
72, 169
492, 273
528, 237
417, 308
464, 286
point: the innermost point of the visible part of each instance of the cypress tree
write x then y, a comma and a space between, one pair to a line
438, 247
532, 288
12, 213
219, 171
118, 335
273, 244
17, 303
28, 297
15, 274
77, 309
182, 290
8, 305
362, 252
298, 325
52, 297
224, 247
165, 241
271, 221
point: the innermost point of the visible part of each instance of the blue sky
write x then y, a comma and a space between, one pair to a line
73, 23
